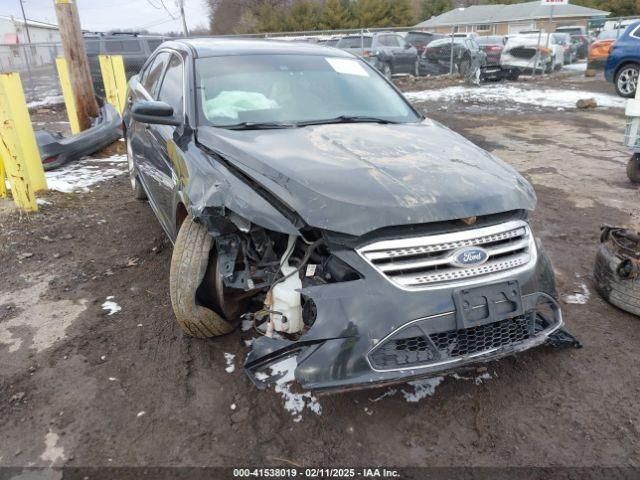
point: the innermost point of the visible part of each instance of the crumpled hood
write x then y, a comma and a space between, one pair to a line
356, 178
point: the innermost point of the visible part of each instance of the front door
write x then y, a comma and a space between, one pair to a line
163, 151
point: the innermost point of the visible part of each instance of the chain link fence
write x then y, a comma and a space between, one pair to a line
36, 64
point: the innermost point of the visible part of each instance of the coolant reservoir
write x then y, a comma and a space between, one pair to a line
286, 297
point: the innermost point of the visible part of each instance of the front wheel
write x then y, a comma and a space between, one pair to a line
189, 262
385, 69
136, 186
464, 66
626, 80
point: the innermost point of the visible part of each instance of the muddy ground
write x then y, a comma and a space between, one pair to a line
80, 387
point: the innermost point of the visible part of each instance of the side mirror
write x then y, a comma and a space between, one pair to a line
160, 113
407, 46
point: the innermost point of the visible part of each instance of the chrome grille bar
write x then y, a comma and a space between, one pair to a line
426, 261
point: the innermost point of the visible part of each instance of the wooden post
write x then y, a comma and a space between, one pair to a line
77, 62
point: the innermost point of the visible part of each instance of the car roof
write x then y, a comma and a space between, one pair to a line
220, 47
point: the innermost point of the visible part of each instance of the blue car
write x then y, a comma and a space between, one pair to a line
623, 64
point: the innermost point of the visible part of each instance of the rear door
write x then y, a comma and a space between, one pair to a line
163, 150
406, 52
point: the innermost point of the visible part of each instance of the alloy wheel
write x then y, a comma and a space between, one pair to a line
628, 80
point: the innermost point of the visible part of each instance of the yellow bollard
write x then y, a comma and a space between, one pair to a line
115, 80
3, 176
67, 92
18, 147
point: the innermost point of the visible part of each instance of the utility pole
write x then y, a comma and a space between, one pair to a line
78, 64
184, 21
26, 52
26, 25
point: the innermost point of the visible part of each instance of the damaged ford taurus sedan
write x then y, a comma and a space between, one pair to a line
304, 193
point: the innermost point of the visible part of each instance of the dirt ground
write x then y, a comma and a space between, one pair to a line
81, 387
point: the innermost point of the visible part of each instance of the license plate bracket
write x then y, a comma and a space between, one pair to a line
487, 304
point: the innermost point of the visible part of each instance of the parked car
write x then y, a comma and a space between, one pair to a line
572, 29
134, 48
301, 190
467, 56
492, 47
579, 36
623, 64
420, 39
570, 49
332, 42
388, 52
529, 52
599, 49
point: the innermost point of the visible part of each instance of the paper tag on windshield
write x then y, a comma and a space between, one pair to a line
347, 66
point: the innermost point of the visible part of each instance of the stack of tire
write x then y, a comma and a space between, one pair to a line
617, 268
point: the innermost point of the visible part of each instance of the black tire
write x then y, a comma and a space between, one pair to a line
464, 65
138, 190
633, 168
385, 69
514, 75
549, 68
189, 263
136, 186
624, 293
626, 80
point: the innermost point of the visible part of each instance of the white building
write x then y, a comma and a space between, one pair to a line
15, 50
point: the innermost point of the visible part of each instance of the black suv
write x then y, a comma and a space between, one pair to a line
134, 48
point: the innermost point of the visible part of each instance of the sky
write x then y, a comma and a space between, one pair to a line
104, 15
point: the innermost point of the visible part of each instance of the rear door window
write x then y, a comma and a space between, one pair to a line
153, 44
153, 73
123, 46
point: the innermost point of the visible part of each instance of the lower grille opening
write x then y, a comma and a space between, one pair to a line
423, 349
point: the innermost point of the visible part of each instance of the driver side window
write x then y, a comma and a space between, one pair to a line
172, 89
153, 74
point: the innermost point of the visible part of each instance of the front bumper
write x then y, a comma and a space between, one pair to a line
356, 320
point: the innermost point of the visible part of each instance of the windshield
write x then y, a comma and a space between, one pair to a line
491, 40
609, 34
289, 89
447, 41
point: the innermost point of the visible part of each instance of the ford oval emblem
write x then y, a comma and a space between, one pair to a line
470, 257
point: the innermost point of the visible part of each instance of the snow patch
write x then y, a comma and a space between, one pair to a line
48, 101
481, 378
42, 201
52, 452
294, 403
580, 295
576, 67
422, 389
493, 93
229, 357
79, 176
110, 306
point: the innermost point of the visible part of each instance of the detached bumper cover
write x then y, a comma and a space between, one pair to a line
57, 150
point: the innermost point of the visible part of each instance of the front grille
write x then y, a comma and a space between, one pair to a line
421, 262
523, 52
424, 349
